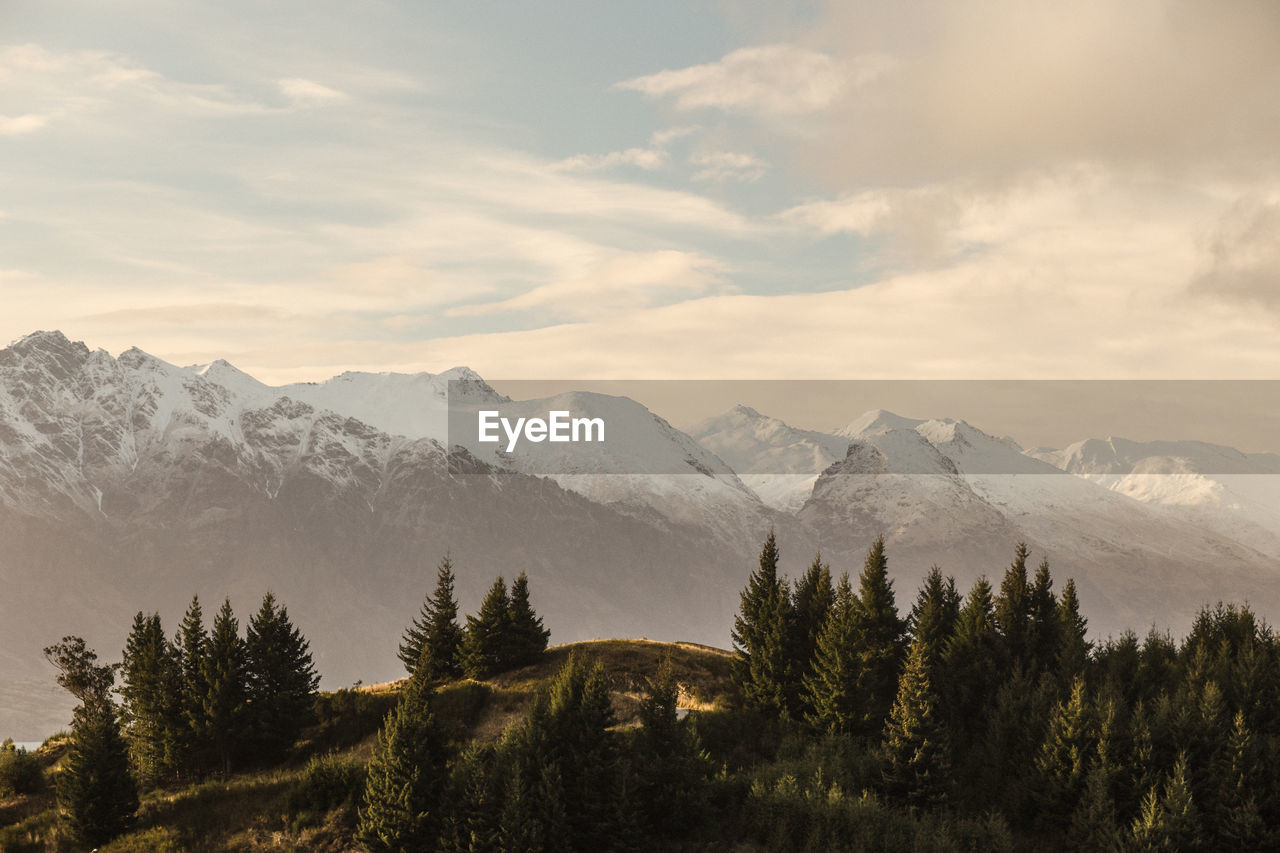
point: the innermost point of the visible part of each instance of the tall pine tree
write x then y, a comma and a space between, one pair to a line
152, 694
831, 689
434, 637
528, 637
1013, 612
281, 679
761, 636
191, 646
915, 740
484, 650
223, 672
811, 604
880, 641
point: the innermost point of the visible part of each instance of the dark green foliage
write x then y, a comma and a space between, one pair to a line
281, 679
19, 771
434, 637
1045, 627
762, 633
1013, 612
191, 647
528, 638
1073, 648
152, 693
970, 674
222, 709
915, 742
880, 642
811, 603
329, 782
97, 794
1094, 825
1169, 820
671, 766
1066, 755
832, 685
406, 779
487, 641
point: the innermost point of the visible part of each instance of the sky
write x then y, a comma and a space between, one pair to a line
996, 189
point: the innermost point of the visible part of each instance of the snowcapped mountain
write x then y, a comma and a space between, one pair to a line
129, 483
1236, 494
778, 462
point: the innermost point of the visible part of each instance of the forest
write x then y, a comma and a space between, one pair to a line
983, 720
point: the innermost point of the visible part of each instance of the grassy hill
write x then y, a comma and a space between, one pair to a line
309, 802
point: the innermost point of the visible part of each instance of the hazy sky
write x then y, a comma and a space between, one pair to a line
990, 189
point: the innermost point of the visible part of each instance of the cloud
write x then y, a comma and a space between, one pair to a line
777, 79
305, 92
720, 166
643, 158
15, 125
612, 282
1243, 261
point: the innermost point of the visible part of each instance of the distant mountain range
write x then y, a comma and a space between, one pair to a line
127, 483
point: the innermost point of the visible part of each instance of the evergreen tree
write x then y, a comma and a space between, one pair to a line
1094, 825
810, 605
223, 673
969, 670
1073, 649
880, 641
435, 632
761, 635
1169, 822
671, 765
1013, 611
401, 806
97, 795
487, 641
191, 646
281, 679
528, 638
831, 689
934, 616
474, 799
152, 692
1063, 762
915, 742
1045, 624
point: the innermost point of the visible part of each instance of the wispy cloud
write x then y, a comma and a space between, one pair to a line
718, 166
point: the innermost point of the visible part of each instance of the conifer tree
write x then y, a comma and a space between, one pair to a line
97, 794
810, 605
223, 672
1013, 611
151, 710
1045, 639
880, 641
401, 806
1094, 825
672, 767
915, 741
528, 638
761, 636
832, 687
435, 632
933, 618
191, 647
281, 679
1168, 822
487, 640
1063, 763
474, 798
1073, 649
969, 664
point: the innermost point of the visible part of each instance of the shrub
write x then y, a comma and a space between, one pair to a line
19, 771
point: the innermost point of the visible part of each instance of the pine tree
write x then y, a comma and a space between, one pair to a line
471, 824
281, 679
969, 669
1094, 825
672, 767
915, 741
880, 641
435, 632
401, 805
528, 637
488, 632
1073, 649
1013, 611
810, 605
1045, 637
96, 792
191, 647
97, 795
151, 711
832, 687
933, 618
1063, 763
1168, 822
761, 636
223, 673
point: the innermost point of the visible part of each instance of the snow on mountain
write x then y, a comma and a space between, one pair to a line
1236, 494
778, 462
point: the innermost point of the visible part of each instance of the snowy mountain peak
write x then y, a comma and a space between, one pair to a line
877, 421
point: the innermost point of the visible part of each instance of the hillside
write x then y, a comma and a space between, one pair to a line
304, 803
